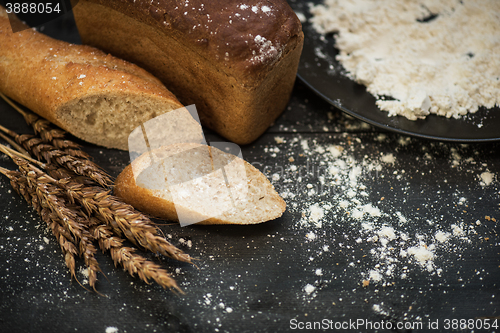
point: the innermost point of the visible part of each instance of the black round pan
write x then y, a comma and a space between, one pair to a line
319, 70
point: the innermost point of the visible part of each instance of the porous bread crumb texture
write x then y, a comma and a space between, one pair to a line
110, 117
149, 186
419, 57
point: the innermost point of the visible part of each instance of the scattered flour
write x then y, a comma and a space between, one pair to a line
429, 56
85, 272
442, 236
486, 178
279, 139
387, 232
309, 289
394, 245
316, 213
422, 254
375, 276
388, 158
457, 230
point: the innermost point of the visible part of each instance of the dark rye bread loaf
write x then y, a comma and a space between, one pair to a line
235, 60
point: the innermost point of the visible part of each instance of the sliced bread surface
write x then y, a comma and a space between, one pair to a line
198, 182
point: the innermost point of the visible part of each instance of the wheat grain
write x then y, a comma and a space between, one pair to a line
123, 218
70, 217
54, 149
68, 202
65, 240
44, 151
55, 137
132, 262
44, 129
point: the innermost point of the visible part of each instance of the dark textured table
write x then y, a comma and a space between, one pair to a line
382, 233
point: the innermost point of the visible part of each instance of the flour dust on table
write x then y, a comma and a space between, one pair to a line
395, 232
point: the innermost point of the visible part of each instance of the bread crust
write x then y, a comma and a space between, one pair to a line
51, 77
239, 75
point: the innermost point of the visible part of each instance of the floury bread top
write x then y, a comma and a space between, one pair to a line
248, 35
236, 61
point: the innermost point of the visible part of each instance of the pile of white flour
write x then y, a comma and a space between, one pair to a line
430, 56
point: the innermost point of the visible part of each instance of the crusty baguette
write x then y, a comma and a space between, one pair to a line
94, 96
235, 60
253, 198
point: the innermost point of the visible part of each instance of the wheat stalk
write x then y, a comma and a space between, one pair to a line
12, 142
54, 148
65, 240
123, 218
38, 189
78, 212
53, 155
70, 217
131, 262
71, 159
59, 196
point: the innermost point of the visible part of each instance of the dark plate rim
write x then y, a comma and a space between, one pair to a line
347, 99
388, 127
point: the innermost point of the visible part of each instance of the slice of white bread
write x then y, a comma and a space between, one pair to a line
94, 96
240, 194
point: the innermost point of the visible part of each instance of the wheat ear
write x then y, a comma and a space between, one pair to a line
70, 159
65, 240
131, 262
123, 218
70, 217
